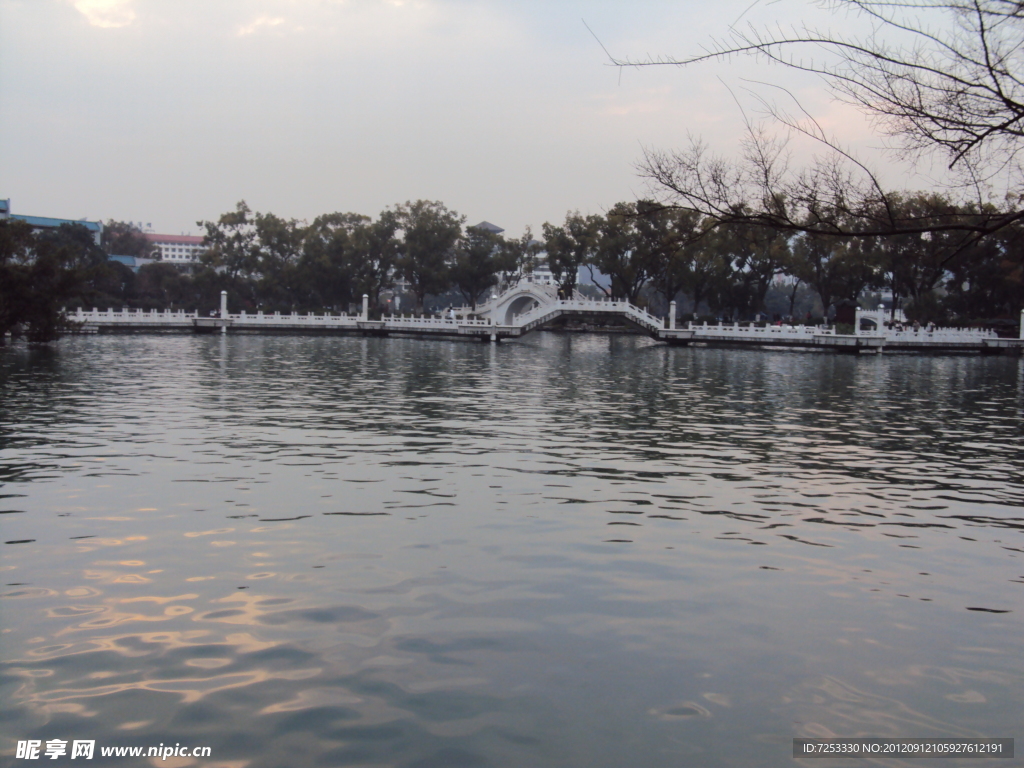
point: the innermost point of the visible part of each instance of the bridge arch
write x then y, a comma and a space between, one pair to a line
517, 300
518, 306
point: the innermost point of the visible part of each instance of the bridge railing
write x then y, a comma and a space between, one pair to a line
893, 326
545, 312
292, 318
530, 320
937, 335
546, 292
536, 315
644, 317
765, 332
411, 321
265, 319
140, 316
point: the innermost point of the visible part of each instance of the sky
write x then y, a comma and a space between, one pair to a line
171, 111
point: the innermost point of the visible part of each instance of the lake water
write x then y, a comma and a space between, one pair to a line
574, 550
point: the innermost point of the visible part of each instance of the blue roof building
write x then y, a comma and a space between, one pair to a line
47, 222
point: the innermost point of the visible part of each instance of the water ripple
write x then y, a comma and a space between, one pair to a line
573, 550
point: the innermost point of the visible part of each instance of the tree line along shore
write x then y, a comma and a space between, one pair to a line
420, 256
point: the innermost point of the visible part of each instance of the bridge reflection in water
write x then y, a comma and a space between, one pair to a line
527, 307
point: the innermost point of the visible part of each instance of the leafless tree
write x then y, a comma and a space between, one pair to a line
952, 90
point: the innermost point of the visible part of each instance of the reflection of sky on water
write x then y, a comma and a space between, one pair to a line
574, 550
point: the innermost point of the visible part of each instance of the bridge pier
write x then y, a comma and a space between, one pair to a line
1010, 347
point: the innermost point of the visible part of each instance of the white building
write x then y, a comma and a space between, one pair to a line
541, 274
177, 249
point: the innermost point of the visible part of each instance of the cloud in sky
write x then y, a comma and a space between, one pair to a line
106, 13
171, 111
261, 22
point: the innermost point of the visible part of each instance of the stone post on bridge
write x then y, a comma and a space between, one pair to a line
671, 315
1022, 323
224, 311
366, 307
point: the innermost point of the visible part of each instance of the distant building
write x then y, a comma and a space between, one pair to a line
177, 249
541, 274
43, 223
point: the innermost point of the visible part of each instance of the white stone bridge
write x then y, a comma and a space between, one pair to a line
528, 306
517, 300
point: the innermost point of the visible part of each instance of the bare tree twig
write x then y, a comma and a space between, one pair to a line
955, 91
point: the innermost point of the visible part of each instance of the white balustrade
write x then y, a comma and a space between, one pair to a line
893, 328
937, 335
765, 333
110, 316
539, 314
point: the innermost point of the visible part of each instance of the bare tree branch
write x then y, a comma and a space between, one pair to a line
954, 90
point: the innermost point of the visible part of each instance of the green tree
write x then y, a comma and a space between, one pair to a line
989, 281
164, 286
569, 247
476, 266
122, 238
517, 257
679, 236
373, 255
913, 264
836, 269
40, 274
102, 282
326, 263
628, 246
429, 234
109, 284
755, 256
232, 242
278, 248
16, 249
707, 270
